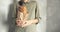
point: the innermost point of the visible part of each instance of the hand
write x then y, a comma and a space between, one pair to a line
29, 22
22, 23
19, 22
26, 23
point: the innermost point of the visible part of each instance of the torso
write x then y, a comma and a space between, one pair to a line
31, 10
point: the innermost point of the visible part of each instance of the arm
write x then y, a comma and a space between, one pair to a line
37, 15
33, 21
36, 20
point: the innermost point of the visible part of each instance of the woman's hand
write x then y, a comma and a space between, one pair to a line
29, 22
19, 22
26, 23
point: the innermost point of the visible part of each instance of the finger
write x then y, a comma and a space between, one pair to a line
24, 23
19, 22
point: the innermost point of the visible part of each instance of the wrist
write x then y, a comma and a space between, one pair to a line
34, 21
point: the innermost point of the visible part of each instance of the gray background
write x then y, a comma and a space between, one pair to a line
53, 15
6, 9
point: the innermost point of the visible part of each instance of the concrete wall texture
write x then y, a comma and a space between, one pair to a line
53, 16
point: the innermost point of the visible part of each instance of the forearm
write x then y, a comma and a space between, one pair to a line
33, 21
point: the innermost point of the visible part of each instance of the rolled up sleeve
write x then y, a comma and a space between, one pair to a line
37, 14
